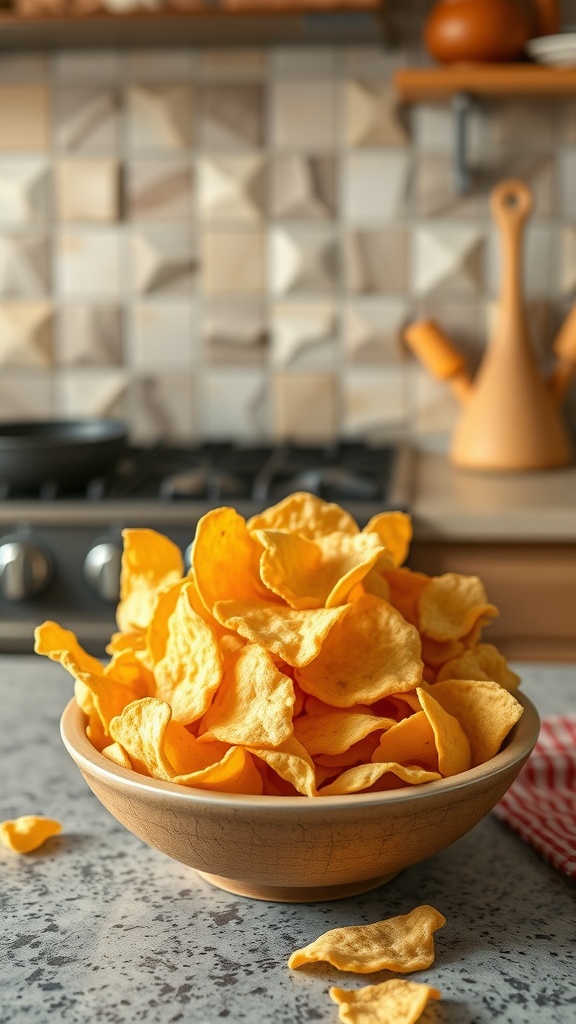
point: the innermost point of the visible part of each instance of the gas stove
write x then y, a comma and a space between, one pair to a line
60, 547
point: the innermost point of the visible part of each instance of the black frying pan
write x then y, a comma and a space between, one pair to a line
65, 451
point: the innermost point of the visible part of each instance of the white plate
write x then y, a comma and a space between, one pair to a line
558, 50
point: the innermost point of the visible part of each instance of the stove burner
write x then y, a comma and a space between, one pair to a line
328, 481
205, 482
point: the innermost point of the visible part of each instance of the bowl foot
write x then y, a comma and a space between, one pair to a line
295, 894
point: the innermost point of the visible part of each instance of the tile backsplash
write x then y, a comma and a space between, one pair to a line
215, 244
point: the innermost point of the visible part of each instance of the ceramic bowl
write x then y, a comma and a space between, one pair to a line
299, 849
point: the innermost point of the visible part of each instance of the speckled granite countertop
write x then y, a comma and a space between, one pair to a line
97, 927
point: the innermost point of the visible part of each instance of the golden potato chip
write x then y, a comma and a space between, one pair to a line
294, 635
371, 653
403, 944
189, 673
365, 776
323, 729
485, 710
306, 515
451, 605
405, 588
315, 574
484, 661
395, 532
291, 762
436, 653
150, 738
396, 1001
225, 560
253, 705
409, 742
57, 643
27, 833
454, 754
359, 753
149, 561
114, 752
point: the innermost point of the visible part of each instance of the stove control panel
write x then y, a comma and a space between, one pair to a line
25, 569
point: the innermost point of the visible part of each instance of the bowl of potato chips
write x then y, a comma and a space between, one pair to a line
298, 715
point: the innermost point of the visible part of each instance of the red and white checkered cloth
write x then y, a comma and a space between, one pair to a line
541, 803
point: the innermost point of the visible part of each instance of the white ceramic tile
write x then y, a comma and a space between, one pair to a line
164, 337
24, 266
163, 260
231, 116
90, 335
163, 407
568, 182
303, 261
232, 404
305, 406
160, 117
373, 330
304, 336
98, 66
26, 395
303, 114
448, 258
232, 262
88, 189
378, 62
302, 62
24, 190
374, 187
303, 187
223, 63
88, 264
86, 118
434, 191
160, 65
91, 391
23, 67
377, 261
26, 334
568, 261
23, 117
159, 190
373, 115
235, 331
435, 410
232, 188
375, 402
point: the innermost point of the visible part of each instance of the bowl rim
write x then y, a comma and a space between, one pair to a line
517, 747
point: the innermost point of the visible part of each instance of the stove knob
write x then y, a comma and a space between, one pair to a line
102, 570
25, 569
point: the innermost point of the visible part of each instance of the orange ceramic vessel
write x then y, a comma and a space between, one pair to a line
478, 30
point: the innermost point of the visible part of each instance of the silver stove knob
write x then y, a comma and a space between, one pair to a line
102, 570
25, 569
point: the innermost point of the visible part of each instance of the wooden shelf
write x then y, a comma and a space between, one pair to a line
420, 84
250, 24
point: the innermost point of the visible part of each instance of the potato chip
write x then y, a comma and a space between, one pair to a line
451, 605
306, 515
152, 742
405, 587
189, 673
358, 753
395, 531
225, 560
366, 776
409, 742
454, 754
396, 1001
56, 643
323, 729
403, 944
486, 711
291, 762
149, 561
294, 635
315, 574
27, 833
253, 705
371, 653
114, 752
484, 661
